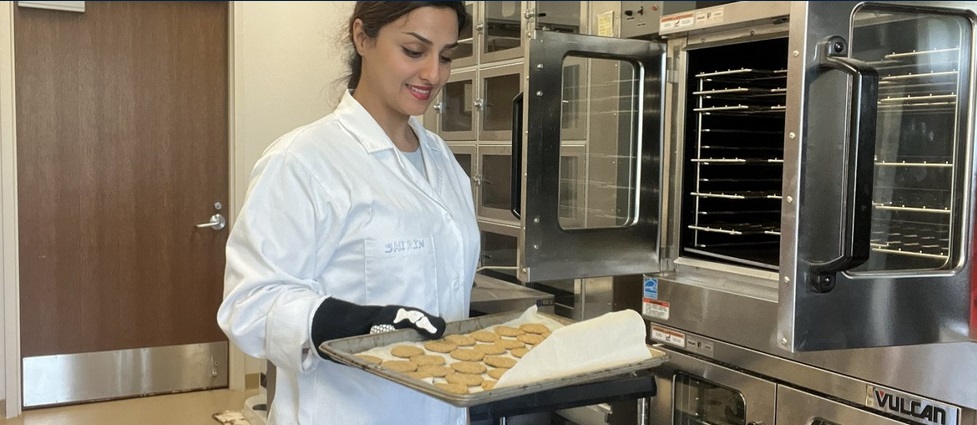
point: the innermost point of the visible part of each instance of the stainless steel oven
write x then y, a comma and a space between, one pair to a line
795, 181
697, 390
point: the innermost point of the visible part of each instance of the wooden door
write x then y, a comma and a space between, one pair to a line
122, 147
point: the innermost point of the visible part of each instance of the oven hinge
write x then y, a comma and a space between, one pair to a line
670, 75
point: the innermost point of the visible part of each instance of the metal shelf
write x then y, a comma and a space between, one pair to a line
737, 213
743, 74
914, 164
727, 161
779, 149
904, 208
741, 131
916, 239
741, 228
743, 194
743, 93
913, 55
741, 110
736, 180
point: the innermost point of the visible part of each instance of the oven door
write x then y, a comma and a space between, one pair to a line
878, 175
696, 391
800, 408
589, 156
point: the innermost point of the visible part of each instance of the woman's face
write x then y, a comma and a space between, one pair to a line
408, 61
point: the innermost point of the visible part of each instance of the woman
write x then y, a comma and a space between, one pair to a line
361, 220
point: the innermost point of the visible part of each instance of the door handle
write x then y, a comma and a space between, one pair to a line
515, 188
216, 222
860, 164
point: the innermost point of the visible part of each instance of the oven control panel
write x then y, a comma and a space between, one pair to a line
640, 18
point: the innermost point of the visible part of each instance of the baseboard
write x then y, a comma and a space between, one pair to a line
153, 370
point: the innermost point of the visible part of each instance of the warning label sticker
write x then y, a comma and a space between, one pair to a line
655, 308
668, 336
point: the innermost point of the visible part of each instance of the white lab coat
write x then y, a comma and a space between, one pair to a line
334, 209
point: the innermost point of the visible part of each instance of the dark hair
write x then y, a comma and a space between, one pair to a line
376, 14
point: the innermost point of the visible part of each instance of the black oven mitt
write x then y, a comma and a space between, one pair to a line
336, 318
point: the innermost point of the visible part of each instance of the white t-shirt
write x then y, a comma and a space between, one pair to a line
417, 158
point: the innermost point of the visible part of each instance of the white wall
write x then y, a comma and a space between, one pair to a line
287, 59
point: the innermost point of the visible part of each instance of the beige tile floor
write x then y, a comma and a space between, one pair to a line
193, 408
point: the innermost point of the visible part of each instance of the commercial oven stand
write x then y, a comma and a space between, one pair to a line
632, 386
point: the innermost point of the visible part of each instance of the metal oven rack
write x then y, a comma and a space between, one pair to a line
738, 157
912, 200
738, 160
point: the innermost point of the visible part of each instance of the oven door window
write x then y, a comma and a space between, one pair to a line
598, 124
920, 153
697, 401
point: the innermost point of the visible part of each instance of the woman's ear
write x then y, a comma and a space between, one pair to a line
359, 36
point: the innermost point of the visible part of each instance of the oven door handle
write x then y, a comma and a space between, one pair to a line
859, 164
515, 192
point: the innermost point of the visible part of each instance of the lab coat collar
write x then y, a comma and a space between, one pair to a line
368, 132
358, 121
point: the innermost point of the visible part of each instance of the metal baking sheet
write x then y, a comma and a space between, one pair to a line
344, 350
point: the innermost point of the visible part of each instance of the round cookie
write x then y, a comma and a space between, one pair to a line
464, 379
370, 359
440, 346
418, 375
497, 372
499, 361
485, 336
467, 354
427, 360
531, 339
534, 328
508, 331
406, 351
434, 370
509, 344
519, 352
460, 340
452, 388
471, 368
399, 365
488, 385
490, 348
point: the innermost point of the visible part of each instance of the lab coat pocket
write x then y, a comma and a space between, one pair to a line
401, 270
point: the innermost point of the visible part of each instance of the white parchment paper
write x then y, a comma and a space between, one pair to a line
614, 339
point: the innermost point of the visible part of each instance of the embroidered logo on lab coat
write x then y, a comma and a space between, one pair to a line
403, 245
